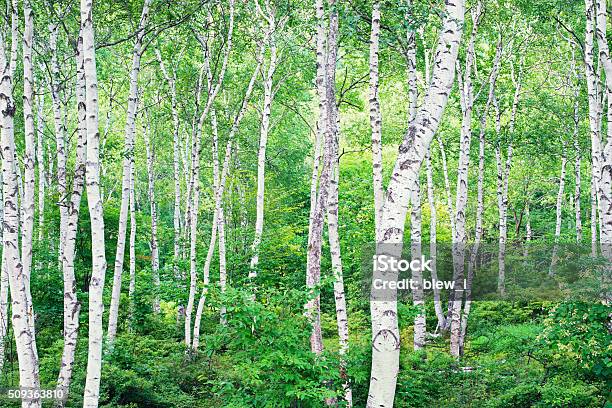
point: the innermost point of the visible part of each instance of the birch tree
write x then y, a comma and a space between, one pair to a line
130, 131
219, 194
60, 138
40, 161
466, 93
22, 317
270, 17
385, 332
94, 202
604, 151
171, 80
27, 200
328, 119
153, 208
376, 119
480, 195
194, 183
72, 306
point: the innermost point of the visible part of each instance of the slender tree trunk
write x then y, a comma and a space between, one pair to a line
376, 120
72, 306
336, 258
559, 208
219, 194
94, 201
420, 326
60, 141
604, 152
480, 197
385, 331
194, 185
176, 159
20, 299
447, 187
130, 131
41, 165
313, 272
433, 241
460, 238
153, 207
595, 109
504, 182
27, 202
263, 140
132, 285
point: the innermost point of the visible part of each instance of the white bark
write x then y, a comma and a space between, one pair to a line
559, 208
72, 306
132, 285
194, 183
130, 131
604, 152
460, 238
94, 201
447, 187
315, 238
480, 197
20, 301
153, 207
385, 331
219, 196
263, 138
27, 202
420, 326
40, 160
376, 120
433, 241
595, 111
60, 138
176, 159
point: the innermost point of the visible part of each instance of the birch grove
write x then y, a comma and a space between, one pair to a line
245, 177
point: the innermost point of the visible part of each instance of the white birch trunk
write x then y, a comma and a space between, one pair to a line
385, 331
60, 140
27, 202
433, 240
194, 184
480, 197
595, 109
20, 301
313, 264
219, 196
130, 131
72, 306
376, 120
94, 201
263, 140
40, 160
176, 159
447, 187
420, 326
460, 238
132, 284
604, 179
558, 209
153, 207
